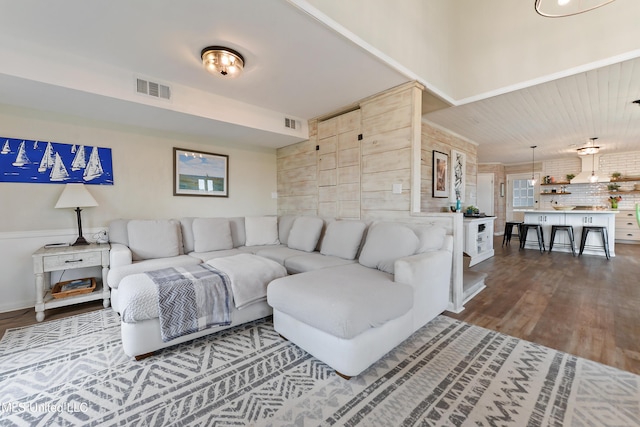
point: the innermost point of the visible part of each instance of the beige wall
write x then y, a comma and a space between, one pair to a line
143, 177
462, 49
499, 202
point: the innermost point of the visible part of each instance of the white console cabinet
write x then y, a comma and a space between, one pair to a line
478, 238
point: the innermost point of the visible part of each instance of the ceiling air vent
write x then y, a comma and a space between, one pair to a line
154, 89
290, 123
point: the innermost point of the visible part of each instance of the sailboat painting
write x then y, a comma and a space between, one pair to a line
24, 160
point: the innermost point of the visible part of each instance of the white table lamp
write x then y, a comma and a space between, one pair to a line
76, 196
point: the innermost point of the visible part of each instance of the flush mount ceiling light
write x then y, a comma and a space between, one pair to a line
560, 8
222, 61
590, 149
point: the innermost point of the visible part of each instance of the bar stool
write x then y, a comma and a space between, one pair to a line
523, 235
569, 230
508, 229
597, 229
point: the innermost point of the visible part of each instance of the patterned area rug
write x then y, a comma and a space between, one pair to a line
73, 372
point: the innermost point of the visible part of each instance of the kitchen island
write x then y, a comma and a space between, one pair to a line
576, 218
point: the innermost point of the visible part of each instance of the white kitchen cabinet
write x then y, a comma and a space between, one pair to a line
478, 239
627, 229
577, 219
546, 220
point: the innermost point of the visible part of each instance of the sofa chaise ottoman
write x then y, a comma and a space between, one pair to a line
350, 316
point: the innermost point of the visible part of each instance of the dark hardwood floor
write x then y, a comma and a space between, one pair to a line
27, 316
586, 306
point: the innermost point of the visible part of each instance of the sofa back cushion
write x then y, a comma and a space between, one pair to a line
237, 231
149, 239
118, 232
305, 233
236, 224
261, 230
385, 243
431, 237
342, 239
211, 234
285, 222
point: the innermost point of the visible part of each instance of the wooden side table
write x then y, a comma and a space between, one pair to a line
46, 260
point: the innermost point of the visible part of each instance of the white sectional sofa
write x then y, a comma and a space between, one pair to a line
351, 291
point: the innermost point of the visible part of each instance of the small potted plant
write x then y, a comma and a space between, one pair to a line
570, 176
613, 187
614, 201
616, 176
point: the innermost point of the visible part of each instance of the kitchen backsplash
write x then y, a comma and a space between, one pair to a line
628, 164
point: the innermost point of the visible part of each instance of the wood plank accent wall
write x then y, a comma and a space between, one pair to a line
388, 127
339, 166
298, 176
433, 138
350, 178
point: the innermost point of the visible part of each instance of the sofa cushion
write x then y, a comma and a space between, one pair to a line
278, 254
285, 222
186, 227
343, 238
313, 261
385, 243
237, 231
206, 256
261, 230
342, 301
211, 234
149, 239
115, 275
305, 233
431, 237
118, 232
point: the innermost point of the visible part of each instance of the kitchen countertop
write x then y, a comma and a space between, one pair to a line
577, 211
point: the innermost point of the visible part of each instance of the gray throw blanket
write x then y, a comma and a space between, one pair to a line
191, 299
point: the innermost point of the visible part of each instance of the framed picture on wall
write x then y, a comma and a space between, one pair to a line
458, 171
440, 174
197, 173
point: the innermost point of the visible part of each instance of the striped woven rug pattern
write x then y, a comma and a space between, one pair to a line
73, 372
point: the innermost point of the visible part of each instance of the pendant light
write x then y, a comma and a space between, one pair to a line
589, 149
593, 178
532, 181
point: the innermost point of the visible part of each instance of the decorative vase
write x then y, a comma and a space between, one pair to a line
614, 204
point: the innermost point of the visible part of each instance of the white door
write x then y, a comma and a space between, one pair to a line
485, 193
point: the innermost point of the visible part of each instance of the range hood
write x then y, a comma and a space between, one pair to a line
588, 165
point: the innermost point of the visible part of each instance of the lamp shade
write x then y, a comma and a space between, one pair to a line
76, 196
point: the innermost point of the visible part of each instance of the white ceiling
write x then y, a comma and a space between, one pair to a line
295, 66
558, 116
79, 57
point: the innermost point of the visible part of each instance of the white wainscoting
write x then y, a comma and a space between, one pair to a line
17, 285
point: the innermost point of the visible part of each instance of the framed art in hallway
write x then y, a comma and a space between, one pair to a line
198, 173
458, 172
440, 174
